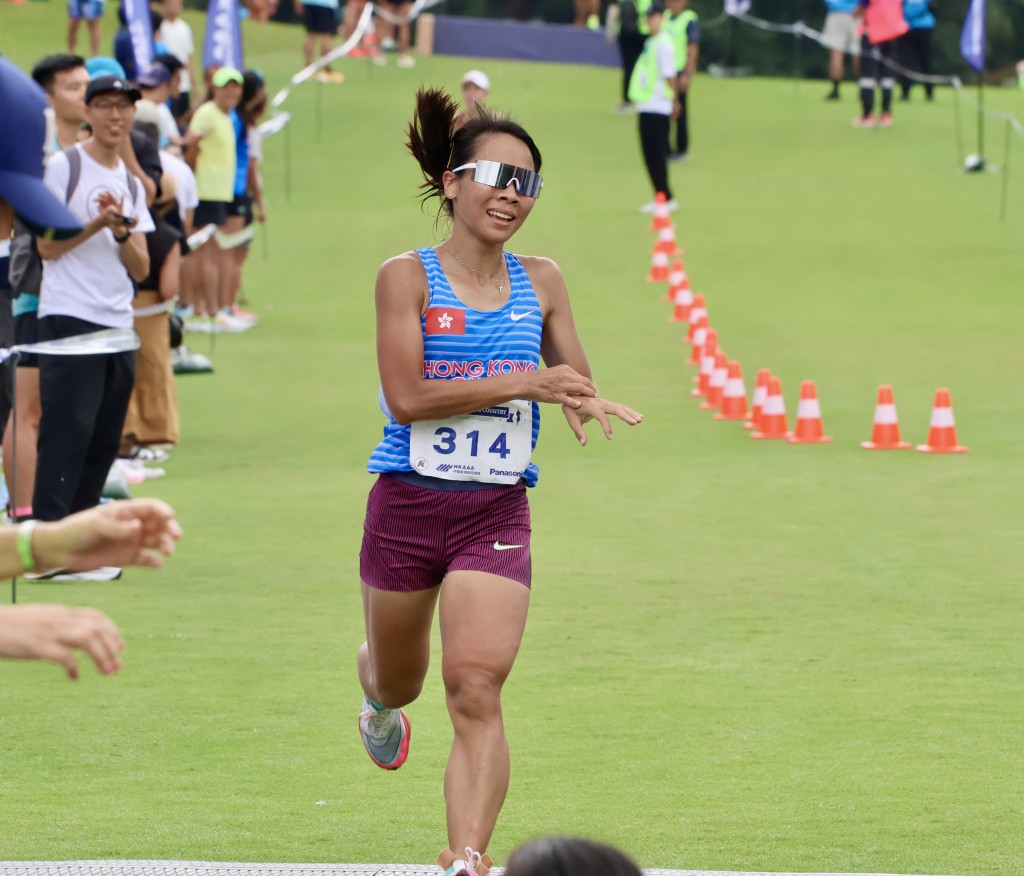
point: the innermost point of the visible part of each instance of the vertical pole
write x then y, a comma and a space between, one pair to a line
981, 117
1006, 169
14, 457
319, 109
288, 163
958, 128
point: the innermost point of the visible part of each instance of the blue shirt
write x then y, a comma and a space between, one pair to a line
491, 344
918, 14
841, 5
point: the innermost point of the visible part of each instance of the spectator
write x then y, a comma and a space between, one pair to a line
568, 856
587, 14
476, 88
883, 26
64, 78
176, 33
210, 151
654, 90
841, 36
631, 22
87, 286
917, 41
155, 86
385, 28
685, 30
177, 69
320, 18
102, 65
91, 11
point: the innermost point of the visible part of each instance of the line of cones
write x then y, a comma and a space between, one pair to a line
719, 381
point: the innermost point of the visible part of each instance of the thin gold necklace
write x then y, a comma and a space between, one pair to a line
500, 283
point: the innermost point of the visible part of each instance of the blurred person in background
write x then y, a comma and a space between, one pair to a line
476, 88
386, 31
124, 52
569, 856
175, 103
840, 34
631, 25
64, 79
155, 85
90, 11
684, 27
176, 34
915, 46
320, 19
883, 24
653, 89
587, 13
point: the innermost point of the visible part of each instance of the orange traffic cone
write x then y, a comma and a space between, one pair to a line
700, 334
773, 423
697, 311
716, 383
667, 237
760, 391
885, 433
734, 397
661, 216
675, 281
659, 264
942, 434
809, 428
707, 364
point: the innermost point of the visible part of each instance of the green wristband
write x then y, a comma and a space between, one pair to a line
24, 544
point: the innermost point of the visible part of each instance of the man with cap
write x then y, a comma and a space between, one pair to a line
210, 150
87, 286
653, 89
155, 85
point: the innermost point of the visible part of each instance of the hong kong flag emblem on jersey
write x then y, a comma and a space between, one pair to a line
446, 321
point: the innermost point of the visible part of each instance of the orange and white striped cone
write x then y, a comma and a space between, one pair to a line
716, 383
697, 310
885, 433
675, 281
683, 301
661, 216
942, 433
760, 391
707, 364
700, 335
659, 264
667, 237
734, 397
809, 428
773, 414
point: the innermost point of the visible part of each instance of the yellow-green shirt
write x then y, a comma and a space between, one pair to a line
215, 166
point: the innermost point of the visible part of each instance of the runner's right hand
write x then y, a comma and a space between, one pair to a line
560, 385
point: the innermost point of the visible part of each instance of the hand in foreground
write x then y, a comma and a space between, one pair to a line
139, 532
561, 385
601, 410
51, 632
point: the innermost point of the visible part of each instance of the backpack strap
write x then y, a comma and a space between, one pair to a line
74, 158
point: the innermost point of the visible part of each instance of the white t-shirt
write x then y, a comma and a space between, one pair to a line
187, 194
177, 36
168, 127
666, 60
90, 282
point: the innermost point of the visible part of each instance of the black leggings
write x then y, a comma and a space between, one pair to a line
654, 142
682, 127
631, 47
874, 71
919, 44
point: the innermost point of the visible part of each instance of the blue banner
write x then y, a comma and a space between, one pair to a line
972, 37
140, 28
222, 46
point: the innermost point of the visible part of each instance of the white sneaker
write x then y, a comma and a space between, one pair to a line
227, 322
673, 205
406, 61
103, 573
648, 207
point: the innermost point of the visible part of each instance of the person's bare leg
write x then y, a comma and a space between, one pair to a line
308, 44
835, 66
72, 34
30, 410
94, 37
482, 622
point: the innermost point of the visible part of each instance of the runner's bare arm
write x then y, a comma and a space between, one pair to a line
401, 297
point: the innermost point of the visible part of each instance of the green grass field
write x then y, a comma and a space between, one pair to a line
740, 656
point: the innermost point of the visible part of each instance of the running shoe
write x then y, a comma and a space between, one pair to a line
185, 362
143, 453
469, 863
867, 121
385, 735
405, 61
676, 157
226, 322
885, 121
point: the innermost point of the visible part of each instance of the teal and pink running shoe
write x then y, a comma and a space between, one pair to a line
385, 734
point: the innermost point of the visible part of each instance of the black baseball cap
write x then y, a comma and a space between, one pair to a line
111, 84
171, 62
655, 9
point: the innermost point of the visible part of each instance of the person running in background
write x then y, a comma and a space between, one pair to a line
917, 42
64, 78
653, 89
569, 856
320, 19
176, 34
684, 27
448, 523
90, 11
883, 24
841, 36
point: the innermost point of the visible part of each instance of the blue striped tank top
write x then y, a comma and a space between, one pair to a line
488, 343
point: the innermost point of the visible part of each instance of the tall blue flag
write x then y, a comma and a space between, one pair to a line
222, 46
140, 28
972, 37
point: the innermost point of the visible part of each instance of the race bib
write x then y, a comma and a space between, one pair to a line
492, 445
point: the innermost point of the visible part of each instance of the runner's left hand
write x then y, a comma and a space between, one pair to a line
601, 410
